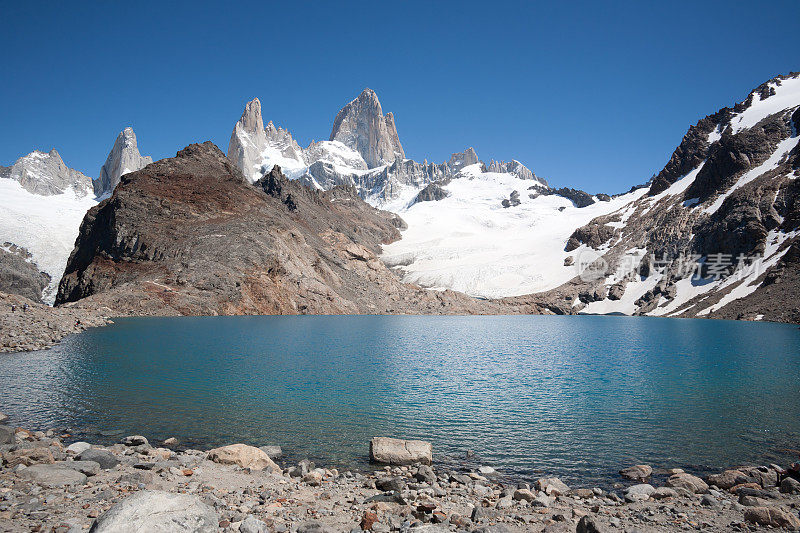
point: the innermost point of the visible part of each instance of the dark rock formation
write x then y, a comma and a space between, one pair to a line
19, 275
433, 192
190, 235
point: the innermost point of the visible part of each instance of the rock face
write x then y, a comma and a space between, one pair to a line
19, 274
716, 230
45, 174
274, 247
387, 450
362, 126
123, 158
152, 510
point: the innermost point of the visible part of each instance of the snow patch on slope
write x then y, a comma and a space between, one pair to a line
787, 95
468, 242
46, 226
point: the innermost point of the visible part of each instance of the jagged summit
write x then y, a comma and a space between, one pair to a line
362, 126
46, 174
123, 158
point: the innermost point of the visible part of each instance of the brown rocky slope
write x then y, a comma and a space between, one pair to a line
190, 236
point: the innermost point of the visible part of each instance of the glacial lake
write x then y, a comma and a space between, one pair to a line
574, 396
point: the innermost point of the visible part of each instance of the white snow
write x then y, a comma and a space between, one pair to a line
291, 167
783, 148
470, 243
46, 226
634, 290
787, 95
715, 135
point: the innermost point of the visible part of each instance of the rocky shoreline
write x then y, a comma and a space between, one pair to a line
26, 325
49, 483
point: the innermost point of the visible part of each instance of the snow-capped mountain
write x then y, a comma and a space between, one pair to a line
362, 126
123, 158
45, 174
364, 151
42, 204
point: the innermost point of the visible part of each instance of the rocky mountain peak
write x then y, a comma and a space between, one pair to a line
123, 158
251, 120
46, 174
362, 126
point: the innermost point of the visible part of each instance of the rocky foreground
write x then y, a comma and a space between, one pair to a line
49, 485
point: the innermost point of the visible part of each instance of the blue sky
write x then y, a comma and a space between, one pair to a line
593, 95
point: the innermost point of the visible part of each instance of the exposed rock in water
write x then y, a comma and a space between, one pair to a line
123, 158
362, 126
392, 451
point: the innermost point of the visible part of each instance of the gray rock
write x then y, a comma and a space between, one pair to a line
314, 527
688, 482
78, 447
790, 486
7, 435
123, 158
104, 458
53, 475
272, 451
640, 492
158, 511
425, 474
590, 524
89, 468
3, 418
252, 524
387, 484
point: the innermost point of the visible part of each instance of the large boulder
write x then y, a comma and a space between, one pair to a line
637, 493
53, 475
158, 511
244, 456
727, 479
772, 517
688, 482
387, 450
78, 447
104, 458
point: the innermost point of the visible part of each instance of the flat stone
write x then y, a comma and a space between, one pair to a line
78, 447
244, 456
104, 458
387, 450
53, 475
89, 468
636, 472
165, 512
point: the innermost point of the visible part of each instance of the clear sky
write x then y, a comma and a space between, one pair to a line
593, 95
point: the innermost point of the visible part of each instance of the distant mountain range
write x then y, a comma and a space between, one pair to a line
713, 234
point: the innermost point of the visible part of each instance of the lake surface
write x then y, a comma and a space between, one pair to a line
575, 396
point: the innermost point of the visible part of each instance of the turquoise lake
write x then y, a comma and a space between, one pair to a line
574, 396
